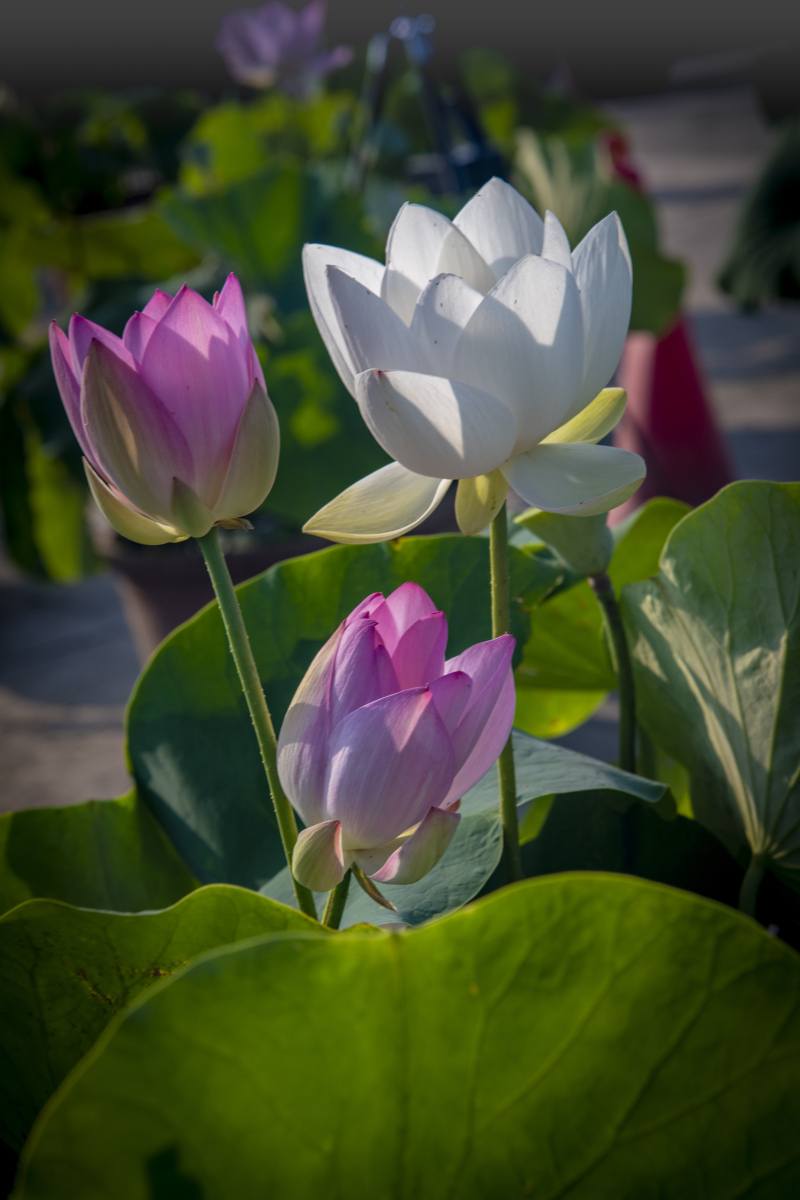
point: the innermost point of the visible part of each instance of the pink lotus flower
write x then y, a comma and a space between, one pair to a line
384, 737
173, 418
276, 45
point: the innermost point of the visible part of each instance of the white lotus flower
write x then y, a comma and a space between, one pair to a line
478, 353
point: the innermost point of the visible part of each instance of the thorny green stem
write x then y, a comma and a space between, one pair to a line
750, 885
607, 597
501, 621
337, 899
256, 701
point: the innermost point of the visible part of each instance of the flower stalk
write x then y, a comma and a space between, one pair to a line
256, 701
337, 898
612, 617
751, 884
501, 621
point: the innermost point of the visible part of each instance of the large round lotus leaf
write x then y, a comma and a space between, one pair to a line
581, 1036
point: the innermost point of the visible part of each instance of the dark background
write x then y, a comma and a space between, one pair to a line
613, 48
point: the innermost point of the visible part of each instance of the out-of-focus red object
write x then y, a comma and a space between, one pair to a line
619, 152
669, 421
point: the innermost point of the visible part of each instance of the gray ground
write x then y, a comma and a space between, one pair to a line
67, 661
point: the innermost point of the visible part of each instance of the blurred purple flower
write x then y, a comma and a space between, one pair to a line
276, 46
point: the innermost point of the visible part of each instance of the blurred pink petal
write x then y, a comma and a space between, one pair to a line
389, 763
420, 854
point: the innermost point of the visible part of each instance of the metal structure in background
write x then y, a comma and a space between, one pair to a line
460, 158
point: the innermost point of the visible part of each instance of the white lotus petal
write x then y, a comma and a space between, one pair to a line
555, 243
366, 270
441, 312
602, 265
575, 478
524, 344
435, 426
412, 252
501, 225
458, 256
372, 335
382, 506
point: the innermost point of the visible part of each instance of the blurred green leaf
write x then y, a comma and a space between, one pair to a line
137, 243
560, 1038
67, 971
101, 854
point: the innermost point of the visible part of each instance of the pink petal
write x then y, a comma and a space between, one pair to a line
360, 673
195, 364
403, 607
136, 440
137, 334
489, 665
70, 390
451, 694
365, 607
488, 745
389, 763
157, 305
317, 860
419, 655
231, 307
420, 854
81, 333
303, 740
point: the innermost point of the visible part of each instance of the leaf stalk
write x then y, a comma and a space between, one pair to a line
501, 622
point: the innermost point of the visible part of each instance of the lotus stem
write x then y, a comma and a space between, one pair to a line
332, 917
750, 885
256, 701
612, 617
501, 620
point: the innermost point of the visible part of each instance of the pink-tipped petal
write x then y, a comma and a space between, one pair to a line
231, 308
451, 694
157, 305
420, 854
139, 445
389, 763
405, 605
360, 673
137, 334
81, 334
195, 364
70, 390
366, 607
303, 740
486, 748
418, 656
488, 665
317, 861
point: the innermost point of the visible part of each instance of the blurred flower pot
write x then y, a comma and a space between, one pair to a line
160, 590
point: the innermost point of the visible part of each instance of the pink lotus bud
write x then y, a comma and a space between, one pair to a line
384, 736
173, 418
277, 46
